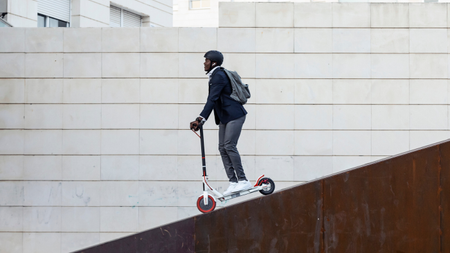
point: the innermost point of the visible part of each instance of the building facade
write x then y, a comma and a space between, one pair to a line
87, 13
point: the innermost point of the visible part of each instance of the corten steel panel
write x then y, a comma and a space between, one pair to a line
286, 221
390, 206
396, 205
175, 237
445, 196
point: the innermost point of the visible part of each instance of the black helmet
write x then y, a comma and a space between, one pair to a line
214, 56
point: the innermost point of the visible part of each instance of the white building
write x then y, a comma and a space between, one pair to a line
87, 13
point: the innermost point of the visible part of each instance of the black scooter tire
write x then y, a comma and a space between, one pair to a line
266, 180
208, 208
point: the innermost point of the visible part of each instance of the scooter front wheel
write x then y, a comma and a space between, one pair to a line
268, 190
206, 208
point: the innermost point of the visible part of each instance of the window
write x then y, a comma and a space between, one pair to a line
44, 21
199, 4
53, 13
123, 18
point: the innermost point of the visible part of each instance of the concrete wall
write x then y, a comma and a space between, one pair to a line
94, 140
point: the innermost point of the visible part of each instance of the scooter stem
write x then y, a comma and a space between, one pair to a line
202, 144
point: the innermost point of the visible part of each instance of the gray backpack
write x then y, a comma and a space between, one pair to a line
240, 91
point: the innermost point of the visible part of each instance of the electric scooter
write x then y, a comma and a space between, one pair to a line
207, 202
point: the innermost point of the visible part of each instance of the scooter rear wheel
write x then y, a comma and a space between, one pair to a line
206, 208
266, 180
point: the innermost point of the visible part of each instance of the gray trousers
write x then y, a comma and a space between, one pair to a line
228, 138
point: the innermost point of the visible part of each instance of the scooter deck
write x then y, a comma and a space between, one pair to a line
241, 193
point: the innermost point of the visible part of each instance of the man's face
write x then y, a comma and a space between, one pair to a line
207, 64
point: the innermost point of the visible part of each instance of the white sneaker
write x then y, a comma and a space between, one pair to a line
242, 185
230, 188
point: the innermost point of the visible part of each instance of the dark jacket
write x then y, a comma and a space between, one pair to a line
225, 108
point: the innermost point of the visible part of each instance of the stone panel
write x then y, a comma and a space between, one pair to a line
313, 65
275, 65
351, 14
128, 37
389, 40
44, 65
40, 40
428, 40
77, 142
82, 116
120, 116
189, 38
12, 40
11, 116
12, 65
81, 167
81, 193
274, 40
274, 14
159, 90
310, 40
390, 117
428, 91
313, 15
389, 15
80, 219
268, 91
428, 66
83, 65
351, 66
351, 91
390, 91
310, 117
43, 116
237, 14
157, 64
427, 15
307, 168
116, 193
82, 91
191, 65
265, 114
41, 242
247, 40
313, 143
154, 39
43, 91
91, 42
427, 117
354, 143
158, 116
389, 142
351, 40
12, 90
120, 168
275, 142
120, 142
389, 65
309, 91
12, 142
43, 142
40, 194
158, 142
352, 117
121, 64
42, 168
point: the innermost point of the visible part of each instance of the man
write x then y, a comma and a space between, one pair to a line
229, 114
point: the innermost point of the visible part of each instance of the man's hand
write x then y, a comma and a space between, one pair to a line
195, 125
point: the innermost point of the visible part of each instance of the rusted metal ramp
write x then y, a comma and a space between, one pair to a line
396, 205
